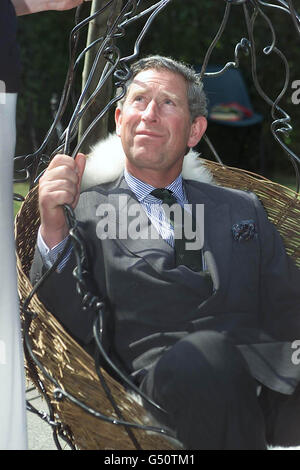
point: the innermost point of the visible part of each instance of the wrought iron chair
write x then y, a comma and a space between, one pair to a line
84, 403
87, 407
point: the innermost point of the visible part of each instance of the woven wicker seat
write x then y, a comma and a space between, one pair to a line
73, 369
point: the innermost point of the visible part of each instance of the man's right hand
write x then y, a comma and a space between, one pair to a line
59, 185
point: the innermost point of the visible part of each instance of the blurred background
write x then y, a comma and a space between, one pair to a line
183, 30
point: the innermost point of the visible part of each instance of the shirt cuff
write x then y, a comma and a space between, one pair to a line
50, 255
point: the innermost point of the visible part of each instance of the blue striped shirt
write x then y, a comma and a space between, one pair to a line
151, 205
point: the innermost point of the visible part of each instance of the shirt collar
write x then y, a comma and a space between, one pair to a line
142, 190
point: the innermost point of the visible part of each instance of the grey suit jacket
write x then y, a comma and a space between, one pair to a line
151, 303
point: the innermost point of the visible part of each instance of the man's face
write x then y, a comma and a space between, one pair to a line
155, 125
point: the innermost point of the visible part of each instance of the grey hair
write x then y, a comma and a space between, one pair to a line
197, 100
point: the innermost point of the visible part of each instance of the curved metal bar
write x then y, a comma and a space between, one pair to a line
161, 5
119, 74
95, 302
73, 43
236, 2
97, 327
215, 40
119, 67
63, 101
100, 52
60, 393
294, 15
274, 104
271, 5
113, 402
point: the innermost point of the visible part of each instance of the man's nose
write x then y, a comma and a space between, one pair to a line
151, 111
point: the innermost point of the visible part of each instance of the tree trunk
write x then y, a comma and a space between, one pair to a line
97, 28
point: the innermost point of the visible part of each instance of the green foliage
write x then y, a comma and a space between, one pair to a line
44, 45
21, 189
184, 30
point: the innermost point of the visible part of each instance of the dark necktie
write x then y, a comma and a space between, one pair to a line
189, 258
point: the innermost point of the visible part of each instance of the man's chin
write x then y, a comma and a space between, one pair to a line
145, 158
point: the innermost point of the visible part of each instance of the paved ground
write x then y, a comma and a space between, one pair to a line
39, 432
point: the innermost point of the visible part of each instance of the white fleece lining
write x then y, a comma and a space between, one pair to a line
106, 162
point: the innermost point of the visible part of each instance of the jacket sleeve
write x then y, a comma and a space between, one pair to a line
279, 282
59, 295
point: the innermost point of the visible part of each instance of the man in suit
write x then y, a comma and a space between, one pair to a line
208, 336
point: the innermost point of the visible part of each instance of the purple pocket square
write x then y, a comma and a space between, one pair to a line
244, 230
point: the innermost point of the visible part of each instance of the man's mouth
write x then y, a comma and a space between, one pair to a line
148, 134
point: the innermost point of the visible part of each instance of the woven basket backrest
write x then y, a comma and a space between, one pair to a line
281, 203
71, 367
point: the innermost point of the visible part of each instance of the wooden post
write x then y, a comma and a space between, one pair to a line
97, 28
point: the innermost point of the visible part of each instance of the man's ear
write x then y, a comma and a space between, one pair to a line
198, 128
118, 120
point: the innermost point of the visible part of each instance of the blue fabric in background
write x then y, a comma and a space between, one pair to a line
10, 66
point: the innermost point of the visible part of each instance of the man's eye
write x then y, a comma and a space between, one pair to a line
169, 102
138, 98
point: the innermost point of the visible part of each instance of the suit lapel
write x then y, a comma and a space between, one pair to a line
217, 246
137, 234
157, 253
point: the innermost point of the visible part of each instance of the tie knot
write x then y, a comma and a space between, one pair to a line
165, 195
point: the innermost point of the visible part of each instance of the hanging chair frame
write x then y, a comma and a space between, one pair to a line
74, 384
76, 388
